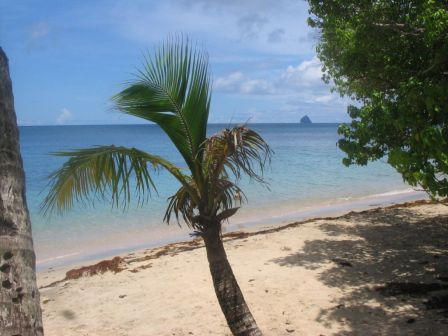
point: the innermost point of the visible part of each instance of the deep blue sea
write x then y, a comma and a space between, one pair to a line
306, 174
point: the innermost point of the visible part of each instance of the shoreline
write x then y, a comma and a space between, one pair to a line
333, 209
381, 271
100, 266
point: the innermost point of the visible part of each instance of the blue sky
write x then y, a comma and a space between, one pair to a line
67, 58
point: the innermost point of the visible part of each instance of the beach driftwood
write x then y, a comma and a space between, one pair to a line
20, 312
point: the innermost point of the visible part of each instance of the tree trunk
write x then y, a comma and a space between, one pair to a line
20, 313
237, 313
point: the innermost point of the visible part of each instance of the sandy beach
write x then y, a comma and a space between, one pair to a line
377, 272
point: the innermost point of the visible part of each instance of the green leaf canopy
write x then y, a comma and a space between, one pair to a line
391, 57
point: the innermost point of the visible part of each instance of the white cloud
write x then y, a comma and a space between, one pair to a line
236, 82
256, 86
39, 30
288, 94
229, 83
317, 97
64, 117
325, 98
307, 73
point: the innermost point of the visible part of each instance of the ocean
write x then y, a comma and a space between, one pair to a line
306, 178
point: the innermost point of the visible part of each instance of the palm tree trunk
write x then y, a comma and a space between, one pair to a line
237, 313
20, 313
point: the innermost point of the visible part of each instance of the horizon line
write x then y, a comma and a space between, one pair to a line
213, 123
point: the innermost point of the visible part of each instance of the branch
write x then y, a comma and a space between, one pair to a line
401, 27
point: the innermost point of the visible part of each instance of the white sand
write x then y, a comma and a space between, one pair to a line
292, 279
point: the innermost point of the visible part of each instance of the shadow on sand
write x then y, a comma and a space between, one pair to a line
392, 267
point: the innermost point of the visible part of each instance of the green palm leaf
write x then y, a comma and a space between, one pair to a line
173, 91
105, 172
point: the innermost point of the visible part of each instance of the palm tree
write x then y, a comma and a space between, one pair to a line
20, 312
173, 90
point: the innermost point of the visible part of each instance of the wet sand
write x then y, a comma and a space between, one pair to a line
102, 245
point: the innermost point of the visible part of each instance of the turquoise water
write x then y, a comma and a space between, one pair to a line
306, 171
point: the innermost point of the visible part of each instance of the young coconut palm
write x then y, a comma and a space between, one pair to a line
173, 91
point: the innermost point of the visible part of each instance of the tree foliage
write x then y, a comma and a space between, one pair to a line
392, 58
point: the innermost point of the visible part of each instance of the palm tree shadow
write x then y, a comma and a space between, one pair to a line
392, 266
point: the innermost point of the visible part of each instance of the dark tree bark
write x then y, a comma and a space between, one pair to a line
237, 313
20, 313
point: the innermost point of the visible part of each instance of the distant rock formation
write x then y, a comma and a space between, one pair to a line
305, 120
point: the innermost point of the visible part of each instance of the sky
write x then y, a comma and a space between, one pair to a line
68, 58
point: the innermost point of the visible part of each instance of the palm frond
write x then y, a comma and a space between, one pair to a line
228, 197
173, 90
182, 205
238, 150
230, 154
104, 172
